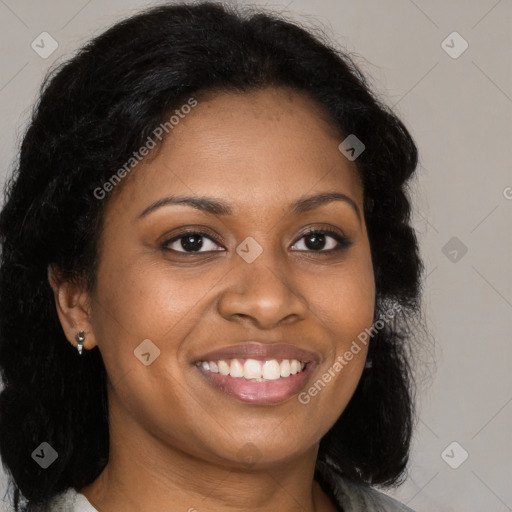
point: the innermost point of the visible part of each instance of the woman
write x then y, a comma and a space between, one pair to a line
208, 276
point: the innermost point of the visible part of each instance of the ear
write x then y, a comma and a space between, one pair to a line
73, 308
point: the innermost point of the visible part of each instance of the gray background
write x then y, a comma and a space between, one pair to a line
459, 111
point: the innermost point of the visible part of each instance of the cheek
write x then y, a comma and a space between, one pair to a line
346, 301
355, 306
346, 309
139, 300
145, 297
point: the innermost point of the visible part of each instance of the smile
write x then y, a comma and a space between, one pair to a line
254, 370
257, 382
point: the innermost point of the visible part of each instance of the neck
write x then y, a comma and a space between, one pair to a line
144, 474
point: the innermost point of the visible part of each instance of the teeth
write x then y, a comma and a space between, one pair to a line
255, 370
285, 368
252, 369
223, 368
294, 366
271, 370
236, 369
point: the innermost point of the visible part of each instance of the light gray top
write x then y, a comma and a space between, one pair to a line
348, 496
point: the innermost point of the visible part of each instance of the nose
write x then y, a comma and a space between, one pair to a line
264, 293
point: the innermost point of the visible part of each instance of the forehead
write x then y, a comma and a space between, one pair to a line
250, 148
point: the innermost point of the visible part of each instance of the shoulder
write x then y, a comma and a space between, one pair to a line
353, 497
66, 501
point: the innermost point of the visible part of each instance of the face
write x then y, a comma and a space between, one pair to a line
248, 274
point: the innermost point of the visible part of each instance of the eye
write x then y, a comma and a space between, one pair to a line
191, 242
317, 241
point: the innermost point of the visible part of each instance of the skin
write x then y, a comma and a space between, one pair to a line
175, 439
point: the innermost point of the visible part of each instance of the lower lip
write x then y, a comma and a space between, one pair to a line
260, 393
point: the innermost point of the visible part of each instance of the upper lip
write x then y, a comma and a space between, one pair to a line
259, 351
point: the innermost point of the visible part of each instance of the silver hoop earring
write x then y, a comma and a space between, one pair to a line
80, 338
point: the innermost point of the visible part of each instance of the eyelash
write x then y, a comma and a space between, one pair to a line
343, 242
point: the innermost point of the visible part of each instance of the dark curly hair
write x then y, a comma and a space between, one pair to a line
93, 112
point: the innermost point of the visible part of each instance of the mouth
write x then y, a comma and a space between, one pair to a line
253, 370
258, 373
250, 382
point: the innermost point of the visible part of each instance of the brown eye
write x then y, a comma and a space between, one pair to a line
316, 240
191, 242
324, 240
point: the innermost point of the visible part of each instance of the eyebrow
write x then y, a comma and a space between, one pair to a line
218, 207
